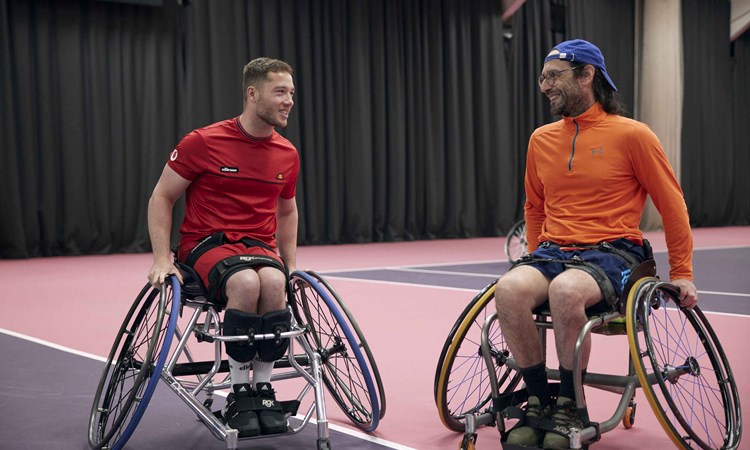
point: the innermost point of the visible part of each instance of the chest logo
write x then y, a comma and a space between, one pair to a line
597, 151
280, 176
227, 169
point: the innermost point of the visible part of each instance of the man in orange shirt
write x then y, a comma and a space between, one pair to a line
587, 177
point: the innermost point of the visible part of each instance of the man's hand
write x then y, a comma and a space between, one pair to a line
688, 293
159, 272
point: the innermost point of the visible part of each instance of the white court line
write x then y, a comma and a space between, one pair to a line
446, 272
409, 266
400, 283
52, 345
340, 429
487, 261
732, 294
477, 290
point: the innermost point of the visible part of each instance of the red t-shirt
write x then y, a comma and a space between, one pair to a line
236, 182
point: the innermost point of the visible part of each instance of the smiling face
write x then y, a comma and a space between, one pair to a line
273, 99
569, 95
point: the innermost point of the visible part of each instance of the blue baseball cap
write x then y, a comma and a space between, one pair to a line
580, 51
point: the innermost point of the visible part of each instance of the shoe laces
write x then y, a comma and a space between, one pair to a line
535, 410
566, 414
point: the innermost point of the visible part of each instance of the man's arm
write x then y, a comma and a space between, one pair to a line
286, 232
656, 175
168, 189
534, 206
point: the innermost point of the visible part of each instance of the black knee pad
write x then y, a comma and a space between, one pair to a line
240, 323
274, 322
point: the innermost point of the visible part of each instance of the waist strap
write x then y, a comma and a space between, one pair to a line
215, 240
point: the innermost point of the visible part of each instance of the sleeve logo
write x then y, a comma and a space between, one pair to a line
173, 156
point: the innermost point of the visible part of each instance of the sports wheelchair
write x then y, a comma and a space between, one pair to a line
515, 241
153, 344
674, 357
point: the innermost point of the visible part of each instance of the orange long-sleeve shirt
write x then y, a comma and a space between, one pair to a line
587, 178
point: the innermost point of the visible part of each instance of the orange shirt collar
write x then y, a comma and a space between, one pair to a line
590, 117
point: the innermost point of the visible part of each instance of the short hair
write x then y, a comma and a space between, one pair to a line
603, 93
256, 72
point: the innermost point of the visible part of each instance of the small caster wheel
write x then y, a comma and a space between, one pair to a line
629, 418
468, 442
208, 402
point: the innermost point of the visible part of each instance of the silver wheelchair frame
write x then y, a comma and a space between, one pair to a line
334, 353
493, 381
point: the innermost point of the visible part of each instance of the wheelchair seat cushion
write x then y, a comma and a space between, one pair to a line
192, 285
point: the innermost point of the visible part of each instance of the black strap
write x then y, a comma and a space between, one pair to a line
217, 239
206, 244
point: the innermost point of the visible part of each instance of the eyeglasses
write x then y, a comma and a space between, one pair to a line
552, 76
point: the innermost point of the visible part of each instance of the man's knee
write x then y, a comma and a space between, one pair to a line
273, 287
523, 288
243, 288
573, 289
275, 322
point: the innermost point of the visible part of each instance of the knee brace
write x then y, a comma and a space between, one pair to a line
240, 323
275, 322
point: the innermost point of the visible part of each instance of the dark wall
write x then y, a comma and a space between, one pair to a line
411, 117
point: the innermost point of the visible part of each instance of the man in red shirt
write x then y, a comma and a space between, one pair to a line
587, 177
239, 179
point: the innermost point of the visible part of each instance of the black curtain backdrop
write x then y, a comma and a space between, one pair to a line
411, 117
715, 139
533, 37
616, 40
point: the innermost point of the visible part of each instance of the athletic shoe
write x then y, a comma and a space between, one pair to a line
565, 417
526, 435
238, 411
270, 414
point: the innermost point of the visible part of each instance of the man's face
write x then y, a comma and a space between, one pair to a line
562, 88
275, 98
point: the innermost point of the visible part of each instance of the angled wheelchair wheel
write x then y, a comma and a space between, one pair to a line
462, 381
133, 366
349, 369
515, 241
682, 368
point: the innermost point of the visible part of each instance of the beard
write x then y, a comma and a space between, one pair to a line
569, 104
271, 116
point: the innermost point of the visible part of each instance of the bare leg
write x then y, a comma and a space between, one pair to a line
272, 290
570, 293
517, 293
243, 290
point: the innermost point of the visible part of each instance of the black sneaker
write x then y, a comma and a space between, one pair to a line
238, 412
270, 413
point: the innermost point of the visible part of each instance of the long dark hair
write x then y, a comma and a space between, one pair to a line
604, 94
